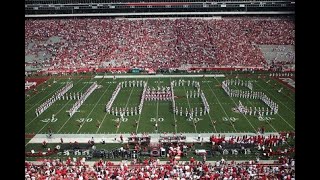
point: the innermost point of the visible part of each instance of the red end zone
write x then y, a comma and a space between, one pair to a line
286, 81
37, 80
29, 136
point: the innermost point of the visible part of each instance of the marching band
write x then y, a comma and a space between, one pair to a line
57, 95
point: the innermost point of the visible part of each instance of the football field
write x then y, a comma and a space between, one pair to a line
92, 118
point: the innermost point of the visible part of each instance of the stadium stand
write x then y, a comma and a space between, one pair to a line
84, 44
153, 169
161, 43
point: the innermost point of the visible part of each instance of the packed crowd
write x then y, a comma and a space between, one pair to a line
269, 145
270, 140
155, 43
153, 169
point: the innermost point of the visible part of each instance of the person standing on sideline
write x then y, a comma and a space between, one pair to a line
121, 138
92, 141
137, 123
204, 159
44, 144
49, 132
156, 126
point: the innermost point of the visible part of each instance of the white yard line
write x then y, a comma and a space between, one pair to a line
102, 120
221, 105
31, 97
284, 86
276, 98
278, 113
44, 98
126, 107
93, 108
157, 109
195, 128
242, 114
266, 121
258, 89
138, 123
139, 116
174, 115
211, 119
107, 114
285, 121
38, 116
55, 114
58, 111
70, 116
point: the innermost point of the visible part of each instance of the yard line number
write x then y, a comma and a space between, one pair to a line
156, 120
233, 119
195, 119
261, 118
49, 120
120, 119
81, 120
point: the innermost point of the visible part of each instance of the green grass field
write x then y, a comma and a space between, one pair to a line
93, 109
